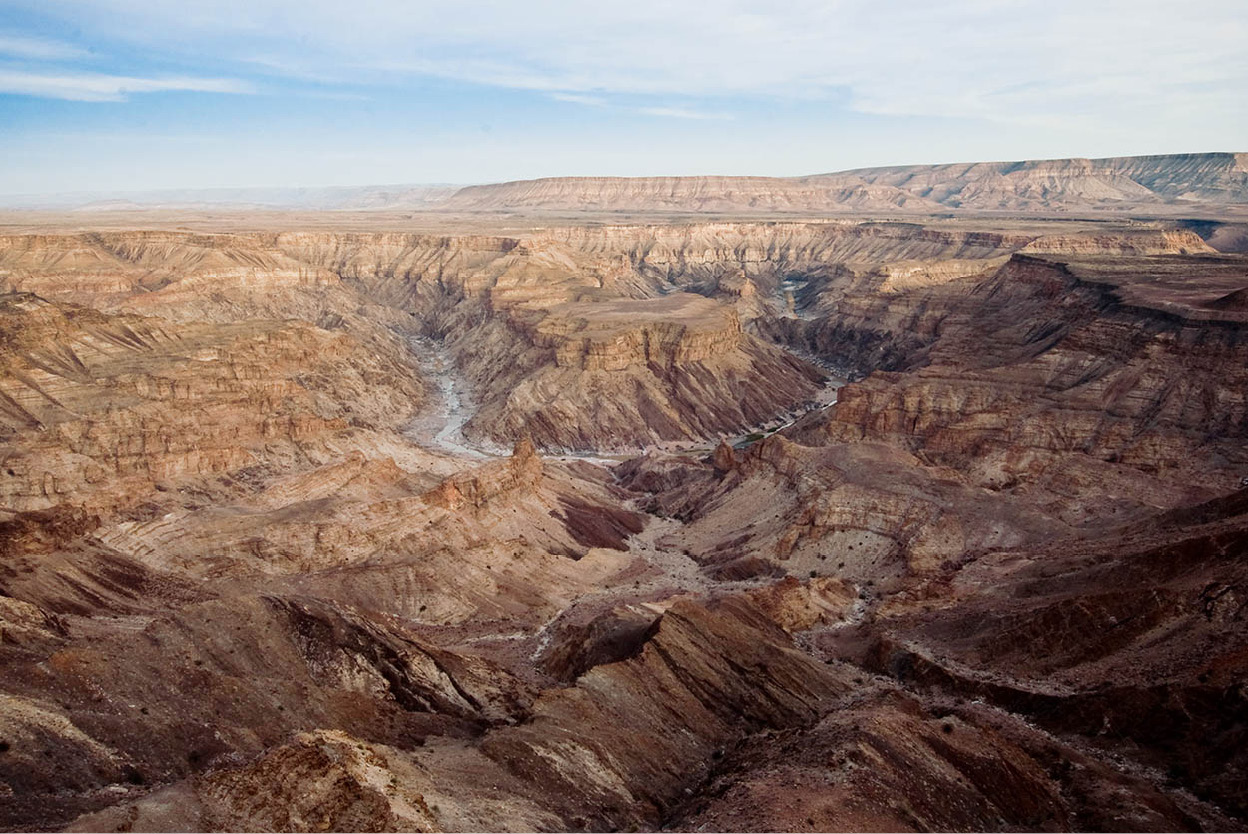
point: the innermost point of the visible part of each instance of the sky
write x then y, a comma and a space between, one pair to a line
126, 95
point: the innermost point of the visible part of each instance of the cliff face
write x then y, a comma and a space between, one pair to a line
611, 336
1057, 356
1061, 185
702, 194
611, 375
97, 408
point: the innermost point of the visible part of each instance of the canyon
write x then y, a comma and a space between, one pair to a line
849, 522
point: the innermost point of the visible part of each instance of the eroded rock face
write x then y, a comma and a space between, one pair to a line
244, 584
558, 341
1059, 357
1034, 185
97, 408
635, 373
895, 763
1142, 636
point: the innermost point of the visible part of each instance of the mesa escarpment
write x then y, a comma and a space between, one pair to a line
701, 194
246, 582
1062, 185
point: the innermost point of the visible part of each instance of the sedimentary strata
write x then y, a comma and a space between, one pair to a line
998, 584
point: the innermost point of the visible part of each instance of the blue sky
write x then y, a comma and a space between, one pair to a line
116, 95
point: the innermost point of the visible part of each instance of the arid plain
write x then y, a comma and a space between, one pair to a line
901, 499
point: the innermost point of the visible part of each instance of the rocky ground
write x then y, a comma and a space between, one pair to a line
382, 531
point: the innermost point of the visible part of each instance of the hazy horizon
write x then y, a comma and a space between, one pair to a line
262, 196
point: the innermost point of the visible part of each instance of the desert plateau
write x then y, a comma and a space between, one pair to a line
842, 520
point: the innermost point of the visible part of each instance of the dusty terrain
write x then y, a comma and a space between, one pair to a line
574, 526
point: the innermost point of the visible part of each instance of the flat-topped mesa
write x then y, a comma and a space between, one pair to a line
611, 336
709, 193
625, 373
1141, 242
1039, 186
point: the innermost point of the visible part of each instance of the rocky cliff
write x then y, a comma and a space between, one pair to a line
1039, 186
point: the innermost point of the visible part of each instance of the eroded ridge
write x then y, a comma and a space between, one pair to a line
568, 529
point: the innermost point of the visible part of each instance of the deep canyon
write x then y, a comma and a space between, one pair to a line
806, 523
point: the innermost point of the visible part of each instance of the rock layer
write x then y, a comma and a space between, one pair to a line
998, 584
1121, 183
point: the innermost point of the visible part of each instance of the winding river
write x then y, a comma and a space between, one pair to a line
440, 426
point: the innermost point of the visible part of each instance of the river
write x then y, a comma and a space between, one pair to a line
440, 425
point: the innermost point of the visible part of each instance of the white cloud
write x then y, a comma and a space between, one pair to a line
1116, 64
94, 87
653, 110
680, 113
578, 98
38, 49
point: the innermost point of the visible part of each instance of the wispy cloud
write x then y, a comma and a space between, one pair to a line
38, 49
580, 98
666, 112
680, 113
335, 95
96, 87
984, 59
